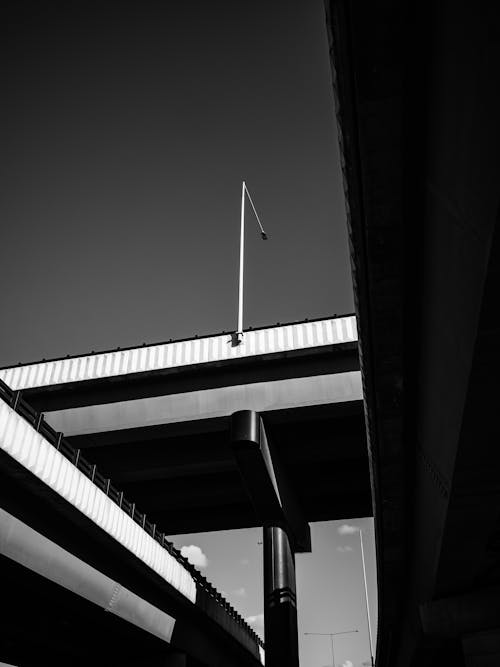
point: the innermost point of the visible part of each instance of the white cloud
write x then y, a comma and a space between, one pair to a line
256, 621
239, 592
346, 529
195, 555
343, 549
347, 663
244, 561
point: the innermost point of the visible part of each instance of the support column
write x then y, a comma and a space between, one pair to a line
280, 606
286, 532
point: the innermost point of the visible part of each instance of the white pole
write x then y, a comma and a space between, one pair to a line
239, 332
333, 654
366, 595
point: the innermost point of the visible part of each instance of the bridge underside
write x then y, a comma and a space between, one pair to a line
67, 572
163, 438
187, 480
419, 106
47, 624
176, 463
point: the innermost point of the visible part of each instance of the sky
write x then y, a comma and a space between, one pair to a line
126, 130
330, 585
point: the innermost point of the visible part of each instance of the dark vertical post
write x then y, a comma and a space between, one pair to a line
280, 606
285, 532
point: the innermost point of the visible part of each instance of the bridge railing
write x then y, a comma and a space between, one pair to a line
207, 598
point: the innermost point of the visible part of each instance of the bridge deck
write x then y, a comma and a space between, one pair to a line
46, 482
162, 431
182, 353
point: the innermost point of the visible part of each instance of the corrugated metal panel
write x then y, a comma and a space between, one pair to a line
21, 441
182, 353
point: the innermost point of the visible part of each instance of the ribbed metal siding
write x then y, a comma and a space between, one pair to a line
182, 353
30, 449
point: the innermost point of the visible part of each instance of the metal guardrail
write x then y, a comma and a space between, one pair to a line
210, 594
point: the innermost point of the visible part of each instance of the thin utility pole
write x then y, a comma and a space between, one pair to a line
366, 597
244, 190
331, 635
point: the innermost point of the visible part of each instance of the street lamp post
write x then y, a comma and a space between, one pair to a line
238, 336
331, 635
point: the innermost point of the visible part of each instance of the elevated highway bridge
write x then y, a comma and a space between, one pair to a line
417, 103
418, 108
158, 421
72, 547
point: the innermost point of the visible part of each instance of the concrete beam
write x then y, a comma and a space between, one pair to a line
266, 480
280, 603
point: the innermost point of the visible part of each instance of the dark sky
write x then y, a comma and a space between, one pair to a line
126, 131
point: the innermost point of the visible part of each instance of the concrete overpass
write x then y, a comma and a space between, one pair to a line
72, 547
160, 429
156, 421
417, 101
418, 106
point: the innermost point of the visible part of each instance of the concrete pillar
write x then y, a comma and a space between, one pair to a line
280, 606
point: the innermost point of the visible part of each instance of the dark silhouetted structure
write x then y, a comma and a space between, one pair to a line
418, 106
